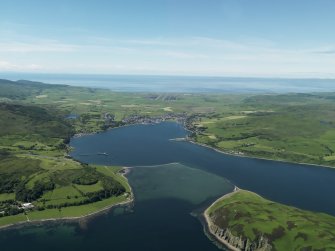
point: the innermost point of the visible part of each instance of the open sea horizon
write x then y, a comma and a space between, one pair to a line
180, 84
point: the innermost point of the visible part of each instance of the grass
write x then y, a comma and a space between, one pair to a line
34, 133
114, 172
63, 213
89, 188
62, 193
7, 196
4, 221
76, 211
287, 228
304, 132
70, 193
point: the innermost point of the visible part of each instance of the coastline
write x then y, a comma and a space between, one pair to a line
188, 139
123, 172
254, 157
208, 222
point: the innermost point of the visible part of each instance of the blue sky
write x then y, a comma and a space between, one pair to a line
287, 38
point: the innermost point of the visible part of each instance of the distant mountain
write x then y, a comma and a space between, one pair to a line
21, 89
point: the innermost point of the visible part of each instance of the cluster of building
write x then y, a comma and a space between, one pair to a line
141, 119
14, 207
108, 117
26, 206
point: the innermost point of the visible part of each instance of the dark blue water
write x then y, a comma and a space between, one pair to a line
155, 225
132, 83
303, 186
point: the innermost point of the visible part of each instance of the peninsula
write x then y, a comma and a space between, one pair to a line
243, 220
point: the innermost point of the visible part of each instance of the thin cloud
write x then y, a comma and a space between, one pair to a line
8, 66
189, 55
37, 46
182, 55
331, 51
217, 43
149, 42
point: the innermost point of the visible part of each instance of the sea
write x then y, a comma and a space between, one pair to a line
180, 84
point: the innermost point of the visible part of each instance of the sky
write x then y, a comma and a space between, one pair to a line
245, 38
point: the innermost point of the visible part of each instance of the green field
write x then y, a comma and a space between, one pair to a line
248, 215
34, 163
70, 200
292, 127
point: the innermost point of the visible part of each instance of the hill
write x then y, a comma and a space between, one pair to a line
243, 220
38, 180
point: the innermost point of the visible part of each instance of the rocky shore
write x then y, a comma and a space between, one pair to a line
239, 243
228, 239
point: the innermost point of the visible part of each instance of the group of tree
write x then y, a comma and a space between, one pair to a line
22, 193
10, 207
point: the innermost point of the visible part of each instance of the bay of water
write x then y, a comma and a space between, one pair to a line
170, 180
304, 186
133, 83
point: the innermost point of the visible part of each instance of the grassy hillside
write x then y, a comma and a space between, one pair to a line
248, 215
20, 90
32, 128
292, 127
34, 167
90, 104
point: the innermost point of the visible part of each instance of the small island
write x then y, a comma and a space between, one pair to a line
243, 220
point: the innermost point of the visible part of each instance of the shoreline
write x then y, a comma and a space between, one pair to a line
254, 157
188, 139
208, 223
77, 218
